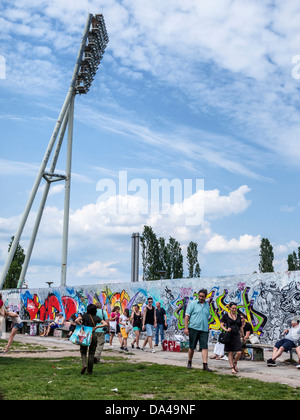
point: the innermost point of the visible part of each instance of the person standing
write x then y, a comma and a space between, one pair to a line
231, 322
197, 328
114, 323
124, 321
100, 333
161, 318
2, 314
136, 319
149, 323
89, 319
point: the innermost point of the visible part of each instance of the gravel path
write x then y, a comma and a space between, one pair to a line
58, 348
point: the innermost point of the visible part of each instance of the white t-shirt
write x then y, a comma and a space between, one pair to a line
293, 334
123, 319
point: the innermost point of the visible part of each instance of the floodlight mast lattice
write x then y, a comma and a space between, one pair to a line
92, 48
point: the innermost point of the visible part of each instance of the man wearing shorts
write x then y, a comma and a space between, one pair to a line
149, 323
286, 344
196, 327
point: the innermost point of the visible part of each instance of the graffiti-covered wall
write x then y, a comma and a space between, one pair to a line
270, 301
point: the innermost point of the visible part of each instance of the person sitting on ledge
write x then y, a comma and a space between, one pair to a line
287, 343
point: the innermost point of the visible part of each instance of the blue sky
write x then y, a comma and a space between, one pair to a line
186, 90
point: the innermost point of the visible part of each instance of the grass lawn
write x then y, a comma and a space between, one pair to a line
22, 346
60, 379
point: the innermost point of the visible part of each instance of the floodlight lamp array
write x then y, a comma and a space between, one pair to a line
97, 41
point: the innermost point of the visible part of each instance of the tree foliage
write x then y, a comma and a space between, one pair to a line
159, 256
150, 254
192, 260
14, 272
294, 261
266, 256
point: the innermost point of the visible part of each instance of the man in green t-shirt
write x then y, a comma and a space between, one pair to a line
197, 316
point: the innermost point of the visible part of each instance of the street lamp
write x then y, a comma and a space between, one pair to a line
92, 48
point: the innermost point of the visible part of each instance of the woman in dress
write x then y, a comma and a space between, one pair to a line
231, 323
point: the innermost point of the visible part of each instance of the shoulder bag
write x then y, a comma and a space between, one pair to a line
82, 335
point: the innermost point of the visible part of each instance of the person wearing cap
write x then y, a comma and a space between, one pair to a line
58, 322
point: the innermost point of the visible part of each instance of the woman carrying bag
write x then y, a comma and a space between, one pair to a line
231, 323
89, 319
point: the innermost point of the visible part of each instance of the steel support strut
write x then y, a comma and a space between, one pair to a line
65, 109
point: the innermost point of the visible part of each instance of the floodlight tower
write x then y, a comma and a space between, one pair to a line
92, 48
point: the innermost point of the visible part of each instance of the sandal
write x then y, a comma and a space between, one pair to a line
233, 371
235, 367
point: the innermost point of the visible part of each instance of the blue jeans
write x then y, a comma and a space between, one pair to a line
159, 329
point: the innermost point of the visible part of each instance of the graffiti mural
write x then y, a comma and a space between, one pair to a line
269, 300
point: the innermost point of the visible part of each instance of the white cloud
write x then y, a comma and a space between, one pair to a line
219, 243
98, 269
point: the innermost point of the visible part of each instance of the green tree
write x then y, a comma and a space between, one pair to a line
163, 256
294, 261
192, 260
157, 256
197, 270
266, 256
150, 254
174, 260
14, 272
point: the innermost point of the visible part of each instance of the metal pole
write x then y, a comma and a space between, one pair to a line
132, 259
42, 204
47, 154
137, 251
135, 257
67, 195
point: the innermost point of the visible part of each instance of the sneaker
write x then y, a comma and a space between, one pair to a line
271, 363
125, 349
122, 348
152, 351
189, 365
298, 367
